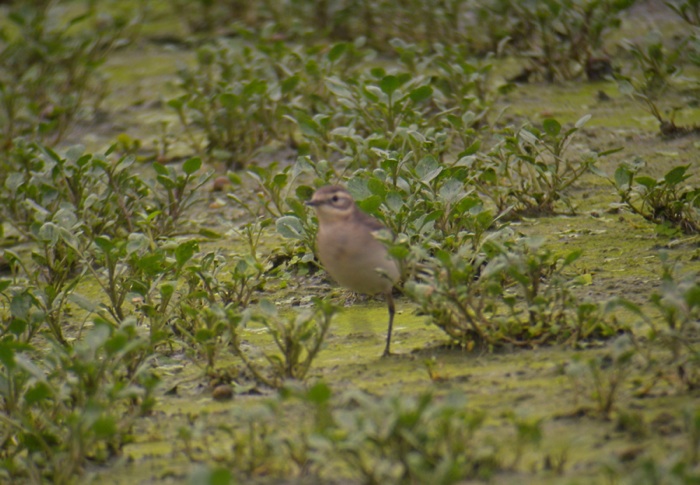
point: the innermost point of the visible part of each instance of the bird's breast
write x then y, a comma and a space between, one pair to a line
355, 259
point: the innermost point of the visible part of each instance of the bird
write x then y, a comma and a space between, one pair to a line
350, 252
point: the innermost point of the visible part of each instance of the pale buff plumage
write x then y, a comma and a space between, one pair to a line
349, 250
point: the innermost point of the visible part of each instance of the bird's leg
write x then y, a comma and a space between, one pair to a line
392, 311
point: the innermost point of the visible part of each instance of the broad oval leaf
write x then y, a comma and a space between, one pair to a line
228, 100
290, 227
389, 84
676, 175
421, 93
552, 127
623, 177
192, 165
337, 51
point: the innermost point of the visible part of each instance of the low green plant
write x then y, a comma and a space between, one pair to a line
660, 63
676, 305
560, 38
602, 378
50, 69
142, 274
508, 292
530, 170
298, 339
48, 280
420, 199
528, 433
83, 213
106, 195
233, 103
411, 439
280, 201
666, 201
376, 439
674, 466
212, 284
173, 193
66, 406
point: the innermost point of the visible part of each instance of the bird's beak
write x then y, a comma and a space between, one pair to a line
313, 203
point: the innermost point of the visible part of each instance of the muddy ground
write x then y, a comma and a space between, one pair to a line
620, 252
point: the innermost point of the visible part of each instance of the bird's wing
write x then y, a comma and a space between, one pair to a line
370, 221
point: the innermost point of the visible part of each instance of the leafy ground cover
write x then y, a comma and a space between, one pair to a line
164, 319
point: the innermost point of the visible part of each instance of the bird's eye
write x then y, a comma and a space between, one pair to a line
335, 198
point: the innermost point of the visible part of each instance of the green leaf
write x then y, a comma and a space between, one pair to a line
676, 175
268, 307
105, 427
85, 303
137, 242
254, 87
572, 256
185, 251
4, 284
358, 188
551, 127
377, 187
337, 51
489, 175
389, 84
307, 125
399, 252
471, 149
319, 393
451, 191
39, 392
289, 84
421, 93
160, 169
105, 244
369, 93
304, 192
290, 227
116, 343
178, 103
192, 165
647, 182
692, 296
203, 335
49, 233
377, 72
151, 263
371, 204
7, 354
166, 182
427, 165
229, 101
610, 152
20, 305
623, 177
208, 476
280, 180
209, 234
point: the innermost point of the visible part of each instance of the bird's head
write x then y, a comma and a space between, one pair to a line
331, 203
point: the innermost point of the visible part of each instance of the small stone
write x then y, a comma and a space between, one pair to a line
222, 392
220, 183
